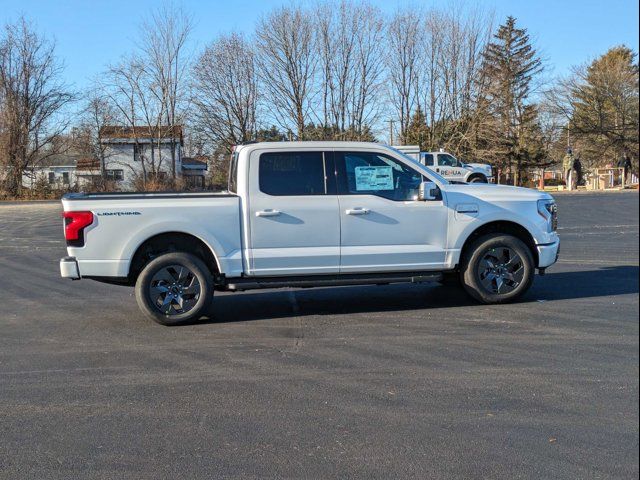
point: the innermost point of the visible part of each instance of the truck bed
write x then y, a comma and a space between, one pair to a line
140, 195
123, 221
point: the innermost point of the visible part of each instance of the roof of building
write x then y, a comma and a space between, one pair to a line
194, 163
87, 163
57, 160
141, 132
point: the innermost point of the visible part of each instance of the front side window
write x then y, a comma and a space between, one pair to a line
448, 161
368, 173
292, 173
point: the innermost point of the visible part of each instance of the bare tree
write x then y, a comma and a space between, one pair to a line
225, 93
287, 61
452, 42
123, 85
98, 112
404, 63
31, 99
350, 44
165, 63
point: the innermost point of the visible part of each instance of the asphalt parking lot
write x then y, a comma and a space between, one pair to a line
400, 381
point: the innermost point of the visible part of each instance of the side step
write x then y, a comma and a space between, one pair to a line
240, 284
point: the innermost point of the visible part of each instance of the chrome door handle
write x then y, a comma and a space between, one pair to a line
357, 211
268, 213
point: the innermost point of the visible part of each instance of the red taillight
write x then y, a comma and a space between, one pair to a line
74, 223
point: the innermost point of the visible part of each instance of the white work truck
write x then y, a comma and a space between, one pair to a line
305, 214
448, 166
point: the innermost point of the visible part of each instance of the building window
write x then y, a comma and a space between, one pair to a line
115, 175
195, 181
65, 178
138, 151
52, 177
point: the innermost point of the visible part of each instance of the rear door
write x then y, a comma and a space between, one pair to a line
294, 216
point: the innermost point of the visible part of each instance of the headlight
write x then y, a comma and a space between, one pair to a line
549, 211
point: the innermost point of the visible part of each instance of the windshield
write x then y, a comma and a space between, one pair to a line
418, 166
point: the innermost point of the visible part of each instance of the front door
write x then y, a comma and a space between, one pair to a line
450, 167
384, 227
294, 217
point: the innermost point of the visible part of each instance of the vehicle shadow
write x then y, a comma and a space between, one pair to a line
261, 305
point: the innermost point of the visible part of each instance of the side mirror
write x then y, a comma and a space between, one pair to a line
428, 191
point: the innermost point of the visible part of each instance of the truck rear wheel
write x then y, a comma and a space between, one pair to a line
174, 288
497, 268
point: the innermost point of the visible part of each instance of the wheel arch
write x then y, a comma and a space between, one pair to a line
477, 175
503, 227
171, 241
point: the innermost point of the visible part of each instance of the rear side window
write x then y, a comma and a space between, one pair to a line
292, 173
428, 159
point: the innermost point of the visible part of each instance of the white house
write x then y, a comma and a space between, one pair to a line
128, 153
131, 151
58, 170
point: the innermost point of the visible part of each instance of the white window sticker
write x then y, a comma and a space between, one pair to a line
374, 178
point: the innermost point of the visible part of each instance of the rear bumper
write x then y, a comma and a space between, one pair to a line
69, 268
548, 254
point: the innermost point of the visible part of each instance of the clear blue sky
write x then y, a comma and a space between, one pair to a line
92, 33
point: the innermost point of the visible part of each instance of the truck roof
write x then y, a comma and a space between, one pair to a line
311, 144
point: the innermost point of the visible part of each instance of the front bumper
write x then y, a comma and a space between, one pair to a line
548, 254
69, 268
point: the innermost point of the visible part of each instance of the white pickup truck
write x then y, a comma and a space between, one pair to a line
304, 214
449, 167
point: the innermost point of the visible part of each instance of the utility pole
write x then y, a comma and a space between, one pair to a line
390, 131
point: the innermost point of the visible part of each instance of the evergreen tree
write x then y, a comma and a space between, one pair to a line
510, 64
271, 134
604, 107
417, 132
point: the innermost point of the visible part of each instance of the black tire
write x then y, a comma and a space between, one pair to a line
181, 303
489, 251
478, 179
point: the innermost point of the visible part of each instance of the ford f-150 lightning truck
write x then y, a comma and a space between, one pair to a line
305, 214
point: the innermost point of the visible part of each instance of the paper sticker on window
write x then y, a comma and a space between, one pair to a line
374, 178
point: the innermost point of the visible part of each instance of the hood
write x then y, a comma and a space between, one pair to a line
492, 192
480, 166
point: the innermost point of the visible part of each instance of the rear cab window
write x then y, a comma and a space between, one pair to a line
294, 173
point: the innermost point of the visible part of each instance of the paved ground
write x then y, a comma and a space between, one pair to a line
369, 382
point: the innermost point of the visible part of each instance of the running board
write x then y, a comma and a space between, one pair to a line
239, 284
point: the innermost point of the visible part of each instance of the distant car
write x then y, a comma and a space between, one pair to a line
449, 166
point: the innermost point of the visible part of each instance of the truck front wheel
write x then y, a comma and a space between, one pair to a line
174, 288
478, 179
497, 268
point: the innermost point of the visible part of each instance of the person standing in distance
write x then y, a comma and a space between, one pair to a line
567, 167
